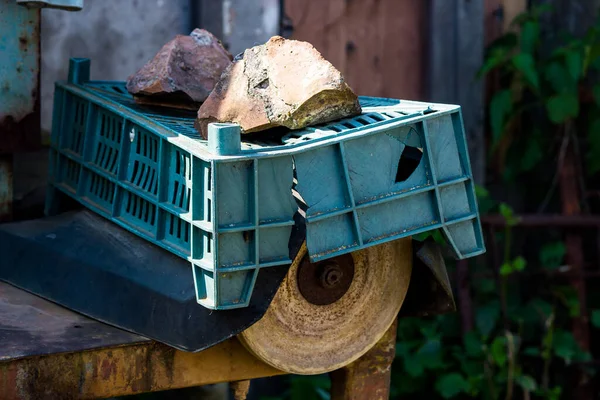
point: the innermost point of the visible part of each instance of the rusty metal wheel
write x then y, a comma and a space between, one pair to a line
327, 314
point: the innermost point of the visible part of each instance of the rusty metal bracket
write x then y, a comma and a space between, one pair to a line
368, 378
430, 292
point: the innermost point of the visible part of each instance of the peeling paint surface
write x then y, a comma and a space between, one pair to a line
19, 64
19, 76
49, 352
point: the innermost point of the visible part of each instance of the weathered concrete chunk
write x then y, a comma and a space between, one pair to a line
281, 83
185, 70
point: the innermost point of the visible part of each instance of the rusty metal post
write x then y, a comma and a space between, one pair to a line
368, 378
571, 205
240, 389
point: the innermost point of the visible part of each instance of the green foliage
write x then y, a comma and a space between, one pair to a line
527, 383
516, 265
439, 364
553, 394
558, 78
486, 203
533, 153
538, 83
530, 35
508, 214
552, 254
567, 296
562, 107
500, 109
574, 61
451, 385
486, 318
596, 318
596, 93
498, 351
525, 64
435, 234
309, 388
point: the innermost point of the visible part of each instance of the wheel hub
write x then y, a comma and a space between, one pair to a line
325, 282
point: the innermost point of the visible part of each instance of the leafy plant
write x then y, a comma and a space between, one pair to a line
551, 84
517, 346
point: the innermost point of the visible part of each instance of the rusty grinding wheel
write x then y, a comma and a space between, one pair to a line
327, 314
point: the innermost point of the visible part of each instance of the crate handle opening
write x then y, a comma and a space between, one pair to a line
408, 163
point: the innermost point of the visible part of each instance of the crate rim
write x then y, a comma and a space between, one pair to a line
199, 146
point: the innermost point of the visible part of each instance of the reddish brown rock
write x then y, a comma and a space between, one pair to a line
281, 83
184, 71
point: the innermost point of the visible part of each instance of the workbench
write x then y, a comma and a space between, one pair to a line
49, 352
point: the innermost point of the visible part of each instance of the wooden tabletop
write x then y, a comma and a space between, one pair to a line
50, 352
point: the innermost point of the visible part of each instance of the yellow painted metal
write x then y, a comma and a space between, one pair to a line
126, 370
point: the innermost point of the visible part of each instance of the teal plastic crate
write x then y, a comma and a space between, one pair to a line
227, 204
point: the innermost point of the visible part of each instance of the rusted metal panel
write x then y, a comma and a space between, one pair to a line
19, 77
429, 292
376, 44
125, 370
511, 9
368, 378
493, 20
